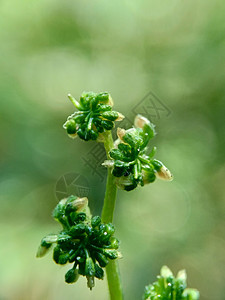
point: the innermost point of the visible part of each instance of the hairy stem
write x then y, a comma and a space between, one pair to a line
112, 270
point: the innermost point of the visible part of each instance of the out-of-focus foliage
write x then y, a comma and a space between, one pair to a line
174, 49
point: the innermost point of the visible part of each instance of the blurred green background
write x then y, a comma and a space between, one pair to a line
175, 49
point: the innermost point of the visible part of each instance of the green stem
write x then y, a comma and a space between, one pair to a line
112, 270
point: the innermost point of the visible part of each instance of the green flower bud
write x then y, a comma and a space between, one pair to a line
105, 97
111, 253
81, 270
102, 260
89, 267
148, 175
112, 116
99, 273
59, 210
43, 249
95, 221
108, 229
59, 256
114, 243
126, 183
93, 134
71, 276
90, 282
108, 125
116, 154
78, 217
71, 127
79, 203
78, 229
162, 172
190, 294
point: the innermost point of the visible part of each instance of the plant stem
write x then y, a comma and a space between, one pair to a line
112, 270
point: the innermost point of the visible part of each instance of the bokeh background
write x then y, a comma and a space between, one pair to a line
175, 49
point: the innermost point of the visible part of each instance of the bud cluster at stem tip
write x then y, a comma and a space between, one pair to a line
169, 287
130, 163
94, 116
84, 241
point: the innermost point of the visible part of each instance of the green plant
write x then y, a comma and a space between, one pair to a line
88, 242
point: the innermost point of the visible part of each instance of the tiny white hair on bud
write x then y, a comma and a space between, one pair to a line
140, 121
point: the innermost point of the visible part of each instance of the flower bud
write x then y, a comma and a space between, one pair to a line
114, 243
95, 221
108, 125
71, 276
126, 183
80, 203
191, 294
78, 230
164, 173
148, 175
140, 121
120, 133
90, 282
113, 116
99, 273
43, 248
102, 260
165, 272
111, 253
105, 97
89, 267
71, 127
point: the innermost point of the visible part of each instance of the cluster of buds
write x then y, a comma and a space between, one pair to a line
129, 162
94, 116
84, 241
169, 287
